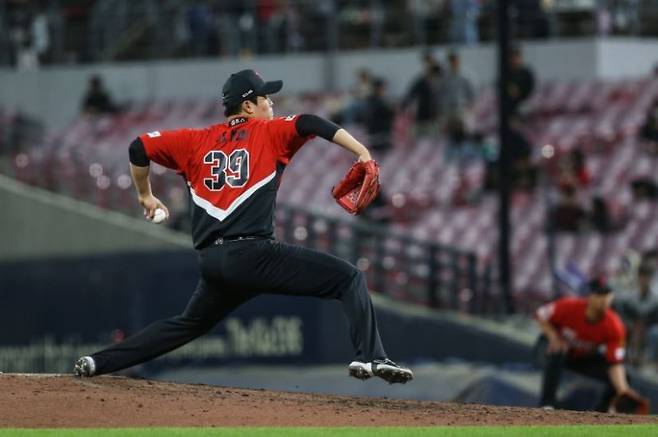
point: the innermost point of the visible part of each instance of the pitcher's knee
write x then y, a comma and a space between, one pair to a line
359, 280
355, 283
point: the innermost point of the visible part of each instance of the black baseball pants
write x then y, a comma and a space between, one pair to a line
235, 271
594, 366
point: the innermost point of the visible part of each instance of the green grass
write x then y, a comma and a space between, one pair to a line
448, 431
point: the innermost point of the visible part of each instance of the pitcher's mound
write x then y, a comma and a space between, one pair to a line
36, 400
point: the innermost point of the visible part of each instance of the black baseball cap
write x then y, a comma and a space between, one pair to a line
247, 83
599, 285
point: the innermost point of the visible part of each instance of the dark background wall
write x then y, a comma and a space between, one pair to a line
82, 300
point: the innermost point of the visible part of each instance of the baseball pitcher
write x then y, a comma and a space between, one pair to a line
233, 171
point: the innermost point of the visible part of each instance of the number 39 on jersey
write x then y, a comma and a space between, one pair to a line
232, 170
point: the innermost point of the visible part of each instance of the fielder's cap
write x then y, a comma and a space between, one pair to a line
599, 285
245, 84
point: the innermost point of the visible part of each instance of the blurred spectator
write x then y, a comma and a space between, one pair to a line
294, 39
644, 188
650, 258
199, 24
568, 215
456, 97
520, 147
377, 15
96, 99
524, 172
362, 89
639, 309
28, 32
236, 26
246, 27
530, 19
423, 92
18, 132
40, 34
464, 16
422, 12
521, 82
573, 170
607, 216
603, 18
378, 116
579, 167
272, 19
600, 215
649, 132
626, 272
618, 16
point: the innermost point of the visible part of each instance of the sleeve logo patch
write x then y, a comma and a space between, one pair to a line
620, 352
545, 312
290, 117
154, 134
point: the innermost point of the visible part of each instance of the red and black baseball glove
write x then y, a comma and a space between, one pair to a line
359, 187
630, 402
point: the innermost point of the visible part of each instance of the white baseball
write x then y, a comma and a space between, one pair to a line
159, 216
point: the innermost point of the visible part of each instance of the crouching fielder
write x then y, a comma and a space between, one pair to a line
586, 336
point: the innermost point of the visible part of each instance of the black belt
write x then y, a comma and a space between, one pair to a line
221, 240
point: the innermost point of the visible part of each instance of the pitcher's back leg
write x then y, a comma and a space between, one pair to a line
205, 309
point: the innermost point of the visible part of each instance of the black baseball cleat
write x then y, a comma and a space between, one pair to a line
385, 369
84, 367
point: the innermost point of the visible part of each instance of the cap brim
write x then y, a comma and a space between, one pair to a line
271, 87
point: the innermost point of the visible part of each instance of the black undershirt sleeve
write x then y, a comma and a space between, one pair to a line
137, 153
309, 124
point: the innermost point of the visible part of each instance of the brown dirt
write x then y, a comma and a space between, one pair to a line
28, 400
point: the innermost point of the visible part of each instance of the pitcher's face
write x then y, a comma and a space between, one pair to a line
264, 108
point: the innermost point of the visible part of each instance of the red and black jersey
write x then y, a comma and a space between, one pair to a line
233, 171
607, 336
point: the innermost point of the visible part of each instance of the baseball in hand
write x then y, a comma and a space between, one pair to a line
159, 216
